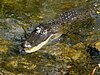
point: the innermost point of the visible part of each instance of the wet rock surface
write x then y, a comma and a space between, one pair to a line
75, 53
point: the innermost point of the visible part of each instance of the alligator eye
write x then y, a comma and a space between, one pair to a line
38, 29
27, 44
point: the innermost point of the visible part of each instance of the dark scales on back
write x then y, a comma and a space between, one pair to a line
45, 32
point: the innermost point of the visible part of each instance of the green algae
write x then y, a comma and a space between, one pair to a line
4, 45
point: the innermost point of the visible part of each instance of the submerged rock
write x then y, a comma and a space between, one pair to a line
97, 45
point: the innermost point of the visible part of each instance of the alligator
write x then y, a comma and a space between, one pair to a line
45, 32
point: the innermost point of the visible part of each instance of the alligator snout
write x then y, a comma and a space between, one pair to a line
27, 45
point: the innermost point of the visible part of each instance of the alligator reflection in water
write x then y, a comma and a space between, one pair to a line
45, 32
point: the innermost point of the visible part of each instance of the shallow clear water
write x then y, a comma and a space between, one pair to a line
67, 56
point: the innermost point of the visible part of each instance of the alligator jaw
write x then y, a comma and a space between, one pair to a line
36, 48
39, 46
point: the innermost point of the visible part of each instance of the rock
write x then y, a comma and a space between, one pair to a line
97, 45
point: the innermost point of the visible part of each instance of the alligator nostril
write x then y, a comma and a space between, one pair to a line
27, 44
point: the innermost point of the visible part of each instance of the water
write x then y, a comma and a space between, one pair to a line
65, 57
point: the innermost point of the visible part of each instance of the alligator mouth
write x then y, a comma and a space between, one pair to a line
36, 48
39, 46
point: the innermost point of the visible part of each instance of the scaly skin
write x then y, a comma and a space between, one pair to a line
45, 32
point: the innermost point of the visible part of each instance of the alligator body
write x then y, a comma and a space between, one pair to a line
45, 32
